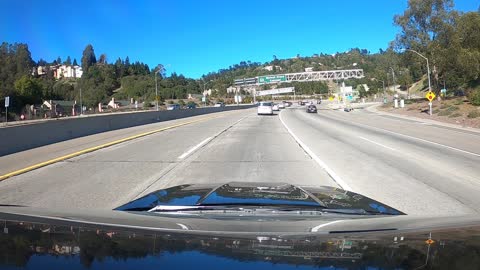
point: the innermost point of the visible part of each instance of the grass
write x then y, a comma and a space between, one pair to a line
453, 108
473, 114
444, 106
458, 102
445, 113
457, 114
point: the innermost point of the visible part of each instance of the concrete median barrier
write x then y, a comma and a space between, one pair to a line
23, 137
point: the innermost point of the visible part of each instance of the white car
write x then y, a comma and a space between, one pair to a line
265, 108
275, 107
219, 104
281, 106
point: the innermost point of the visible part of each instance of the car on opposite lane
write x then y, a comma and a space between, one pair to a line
281, 106
275, 107
219, 105
265, 108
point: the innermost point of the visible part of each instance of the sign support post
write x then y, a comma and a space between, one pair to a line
7, 103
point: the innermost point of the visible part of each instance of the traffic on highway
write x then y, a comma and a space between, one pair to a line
328, 157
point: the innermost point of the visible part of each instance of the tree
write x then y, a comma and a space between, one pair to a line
28, 89
75, 62
422, 21
59, 60
68, 62
88, 58
103, 59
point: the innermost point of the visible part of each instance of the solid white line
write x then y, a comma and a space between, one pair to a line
418, 139
330, 172
195, 148
315, 229
376, 143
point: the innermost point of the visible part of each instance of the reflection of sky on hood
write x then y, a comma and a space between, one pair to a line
180, 260
214, 198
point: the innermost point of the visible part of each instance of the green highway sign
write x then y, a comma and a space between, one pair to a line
272, 79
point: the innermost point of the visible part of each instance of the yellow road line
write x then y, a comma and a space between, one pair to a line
95, 148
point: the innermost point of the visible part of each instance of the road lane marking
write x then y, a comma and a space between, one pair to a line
322, 164
376, 143
195, 147
98, 147
402, 135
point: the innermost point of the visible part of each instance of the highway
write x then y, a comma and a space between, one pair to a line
419, 168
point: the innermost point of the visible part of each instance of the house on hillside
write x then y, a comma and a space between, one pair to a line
116, 104
59, 71
58, 108
195, 96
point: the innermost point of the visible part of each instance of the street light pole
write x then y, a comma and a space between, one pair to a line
393, 77
428, 74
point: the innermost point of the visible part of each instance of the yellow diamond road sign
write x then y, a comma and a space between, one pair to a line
331, 98
430, 95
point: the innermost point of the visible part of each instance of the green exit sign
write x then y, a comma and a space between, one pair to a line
272, 79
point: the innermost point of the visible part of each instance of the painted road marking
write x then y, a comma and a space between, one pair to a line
322, 164
403, 135
422, 140
95, 148
195, 147
376, 143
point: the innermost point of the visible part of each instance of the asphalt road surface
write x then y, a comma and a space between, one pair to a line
419, 169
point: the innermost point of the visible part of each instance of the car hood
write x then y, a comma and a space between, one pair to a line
258, 193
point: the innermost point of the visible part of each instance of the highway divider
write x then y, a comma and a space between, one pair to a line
23, 137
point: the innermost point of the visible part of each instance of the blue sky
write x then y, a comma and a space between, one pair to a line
196, 37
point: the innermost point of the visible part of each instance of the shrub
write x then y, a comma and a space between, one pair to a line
474, 97
474, 114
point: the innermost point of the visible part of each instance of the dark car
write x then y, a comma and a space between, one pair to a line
311, 109
191, 106
301, 103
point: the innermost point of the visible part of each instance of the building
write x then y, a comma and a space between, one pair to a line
309, 69
232, 89
116, 104
58, 108
65, 71
195, 96
270, 68
59, 71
